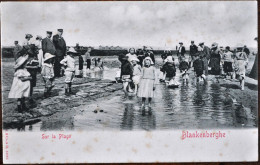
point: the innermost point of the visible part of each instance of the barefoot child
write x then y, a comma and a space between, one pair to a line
137, 71
21, 83
69, 63
48, 73
147, 83
199, 68
169, 69
126, 72
184, 67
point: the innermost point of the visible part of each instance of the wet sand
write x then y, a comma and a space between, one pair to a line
87, 92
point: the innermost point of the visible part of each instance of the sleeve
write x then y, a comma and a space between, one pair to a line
44, 46
64, 61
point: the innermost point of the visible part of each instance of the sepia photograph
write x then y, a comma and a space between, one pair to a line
183, 68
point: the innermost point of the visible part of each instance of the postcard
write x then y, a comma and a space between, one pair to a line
118, 82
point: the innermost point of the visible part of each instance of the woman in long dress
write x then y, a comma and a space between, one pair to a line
215, 59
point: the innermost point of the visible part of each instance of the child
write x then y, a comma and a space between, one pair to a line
228, 62
131, 54
118, 73
69, 63
137, 71
48, 73
184, 67
240, 66
169, 69
126, 72
88, 58
199, 68
80, 69
21, 83
147, 83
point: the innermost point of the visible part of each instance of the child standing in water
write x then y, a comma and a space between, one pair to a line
169, 69
137, 71
48, 73
126, 72
147, 83
69, 63
21, 83
199, 68
184, 67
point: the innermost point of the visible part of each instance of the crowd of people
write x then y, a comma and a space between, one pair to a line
52, 58
138, 73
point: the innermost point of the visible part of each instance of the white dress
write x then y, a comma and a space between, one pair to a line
20, 88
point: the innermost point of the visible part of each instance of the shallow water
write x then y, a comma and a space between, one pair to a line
191, 106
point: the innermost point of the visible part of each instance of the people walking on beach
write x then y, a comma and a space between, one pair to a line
17, 49
131, 54
215, 57
88, 58
38, 44
47, 45
240, 65
181, 51
126, 73
205, 56
21, 85
193, 52
169, 69
184, 67
228, 63
27, 40
198, 65
137, 71
147, 83
48, 73
60, 46
69, 63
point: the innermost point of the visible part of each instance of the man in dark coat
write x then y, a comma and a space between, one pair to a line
193, 52
17, 48
47, 45
205, 56
181, 51
60, 46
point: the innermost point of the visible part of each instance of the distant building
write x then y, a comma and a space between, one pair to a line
110, 48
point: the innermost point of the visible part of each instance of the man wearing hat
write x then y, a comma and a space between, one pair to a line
193, 51
205, 56
60, 46
47, 45
181, 50
27, 39
17, 48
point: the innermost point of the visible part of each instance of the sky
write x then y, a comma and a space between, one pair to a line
160, 24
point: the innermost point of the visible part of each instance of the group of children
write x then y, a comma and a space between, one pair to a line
24, 79
142, 79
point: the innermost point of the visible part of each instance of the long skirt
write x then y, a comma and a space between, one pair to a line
215, 66
146, 88
241, 69
227, 67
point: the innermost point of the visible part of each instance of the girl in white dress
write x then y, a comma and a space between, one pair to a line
21, 83
147, 83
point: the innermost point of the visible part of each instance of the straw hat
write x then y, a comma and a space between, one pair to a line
72, 50
134, 59
38, 37
201, 43
48, 56
214, 45
28, 36
149, 58
20, 61
169, 59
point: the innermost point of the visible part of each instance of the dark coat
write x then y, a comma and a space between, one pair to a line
183, 51
184, 65
81, 61
126, 68
48, 46
60, 45
198, 66
193, 50
170, 69
205, 52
